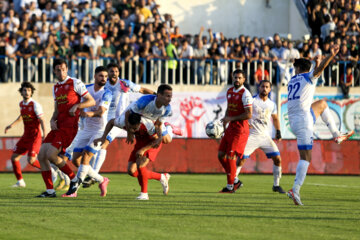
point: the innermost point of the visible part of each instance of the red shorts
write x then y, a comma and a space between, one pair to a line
234, 142
61, 138
29, 145
150, 154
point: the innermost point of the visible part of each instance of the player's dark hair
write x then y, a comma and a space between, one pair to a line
161, 89
265, 81
112, 65
59, 61
303, 64
238, 71
27, 85
134, 118
100, 69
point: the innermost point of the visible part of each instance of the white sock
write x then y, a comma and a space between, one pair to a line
93, 160
169, 130
95, 175
230, 186
238, 169
277, 175
50, 191
82, 172
330, 123
301, 171
100, 158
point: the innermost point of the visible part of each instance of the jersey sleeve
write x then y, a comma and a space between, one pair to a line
139, 105
274, 111
310, 77
80, 88
38, 110
167, 113
106, 99
247, 99
133, 86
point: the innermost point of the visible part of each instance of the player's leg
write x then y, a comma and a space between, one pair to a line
141, 163
320, 108
168, 132
132, 169
15, 161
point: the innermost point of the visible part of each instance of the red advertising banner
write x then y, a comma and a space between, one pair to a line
200, 156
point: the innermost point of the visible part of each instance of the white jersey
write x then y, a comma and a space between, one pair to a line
301, 89
145, 106
148, 124
261, 115
120, 96
102, 98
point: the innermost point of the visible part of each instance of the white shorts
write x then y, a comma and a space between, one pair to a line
84, 141
264, 142
303, 128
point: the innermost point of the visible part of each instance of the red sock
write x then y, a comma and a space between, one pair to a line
36, 164
232, 171
67, 170
17, 169
47, 179
143, 179
135, 174
154, 175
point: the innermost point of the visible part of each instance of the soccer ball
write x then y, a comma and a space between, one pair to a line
214, 129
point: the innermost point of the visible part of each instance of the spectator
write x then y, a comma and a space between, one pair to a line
108, 50
252, 53
3, 66
176, 33
260, 74
94, 10
81, 49
346, 81
144, 10
126, 52
171, 52
95, 42
315, 51
237, 53
51, 47
13, 21
65, 51
327, 27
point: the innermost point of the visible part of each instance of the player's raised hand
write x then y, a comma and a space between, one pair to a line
318, 60
334, 49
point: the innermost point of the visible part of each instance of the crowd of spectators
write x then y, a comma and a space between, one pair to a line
128, 29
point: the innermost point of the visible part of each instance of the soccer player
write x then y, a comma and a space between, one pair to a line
31, 114
144, 151
232, 145
263, 110
82, 148
64, 123
303, 114
121, 89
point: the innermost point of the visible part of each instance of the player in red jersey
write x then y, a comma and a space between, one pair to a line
144, 151
64, 123
31, 114
232, 145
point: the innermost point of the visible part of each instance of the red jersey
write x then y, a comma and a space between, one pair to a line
30, 112
66, 94
237, 101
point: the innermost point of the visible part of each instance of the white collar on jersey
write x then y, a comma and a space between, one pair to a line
62, 82
26, 103
237, 90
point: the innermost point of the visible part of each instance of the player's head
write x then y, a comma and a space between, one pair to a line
238, 76
134, 122
302, 65
60, 68
357, 119
113, 71
101, 75
163, 95
26, 90
264, 88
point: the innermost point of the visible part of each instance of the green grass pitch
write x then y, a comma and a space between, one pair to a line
192, 210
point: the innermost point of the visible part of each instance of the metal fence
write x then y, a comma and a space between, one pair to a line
156, 71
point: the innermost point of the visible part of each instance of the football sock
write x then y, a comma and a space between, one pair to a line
82, 171
277, 175
301, 171
67, 170
238, 169
95, 175
169, 130
36, 164
17, 169
153, 175
46, 175
143, 179
100, 158
330, 123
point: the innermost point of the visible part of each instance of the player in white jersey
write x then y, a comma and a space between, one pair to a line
263, 110
303, 114
121, 89
95, 120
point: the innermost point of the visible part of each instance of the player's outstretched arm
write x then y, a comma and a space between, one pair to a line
18, 119
244, 116
324, 63
88, 102
146, 91
53, 120
108, 128
276, 123
98, 113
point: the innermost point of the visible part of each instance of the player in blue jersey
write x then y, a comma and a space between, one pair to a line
303, 114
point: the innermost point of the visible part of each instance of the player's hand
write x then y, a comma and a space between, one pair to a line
53, 125
130, 138
7, 128
334, 49
98, 141
73, 109
278, 135
318, 60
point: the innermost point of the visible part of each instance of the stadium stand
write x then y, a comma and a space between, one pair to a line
150, 47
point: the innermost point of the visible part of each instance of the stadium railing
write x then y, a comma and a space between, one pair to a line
170, 71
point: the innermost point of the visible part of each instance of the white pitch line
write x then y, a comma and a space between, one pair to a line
331, 185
